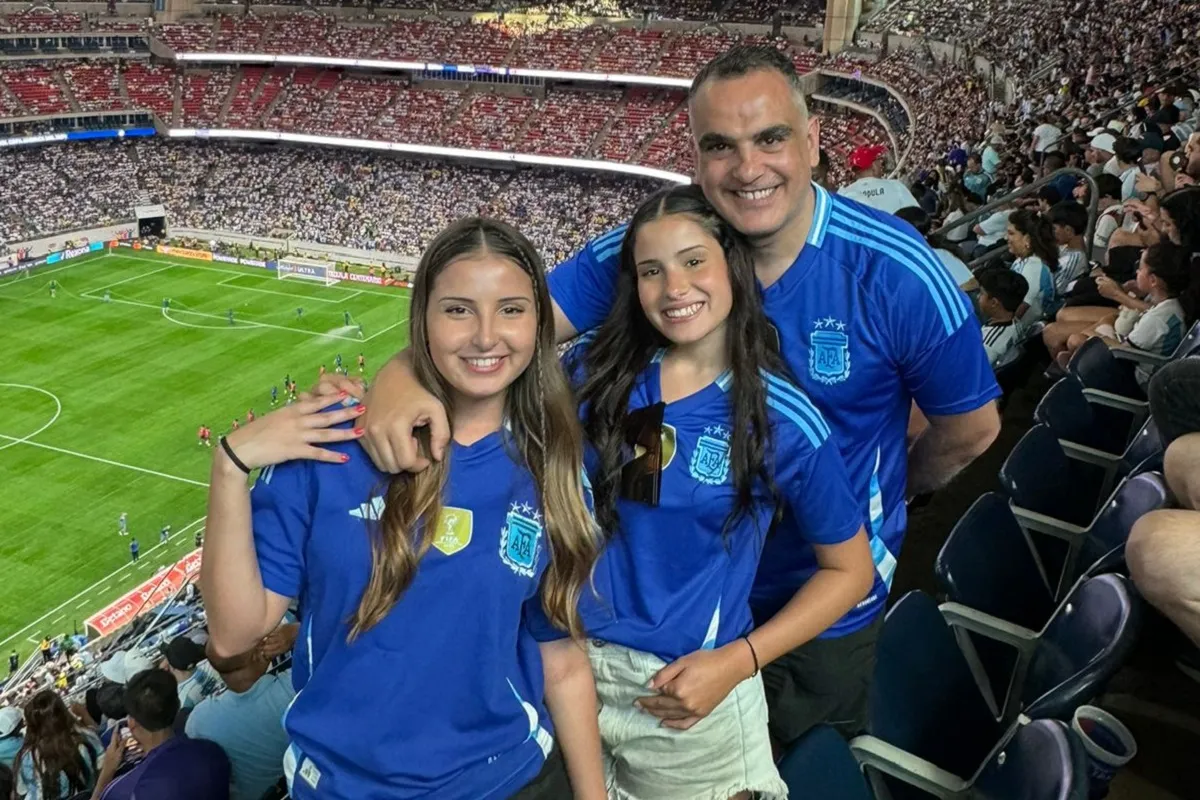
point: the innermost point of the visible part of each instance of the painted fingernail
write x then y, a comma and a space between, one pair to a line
345, 458
360, 408
359, 431
342, 393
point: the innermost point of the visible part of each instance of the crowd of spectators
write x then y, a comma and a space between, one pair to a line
358, 200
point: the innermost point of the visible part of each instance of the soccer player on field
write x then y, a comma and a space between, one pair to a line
360, 332
322, 371
362, 364
164, 534
107, 296
236, 424
166, 303
53, 288
200, 538
134, 550
123, 524
337, 363
205, 436
274, 395
230, 314
250, 416
299, 312
346, 318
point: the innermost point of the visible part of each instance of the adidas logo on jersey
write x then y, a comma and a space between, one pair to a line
372, 510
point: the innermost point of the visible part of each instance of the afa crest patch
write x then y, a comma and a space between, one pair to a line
521, 539
710, 459
829, 351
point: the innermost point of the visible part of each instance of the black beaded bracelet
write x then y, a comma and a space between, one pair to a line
237, 462
753, 654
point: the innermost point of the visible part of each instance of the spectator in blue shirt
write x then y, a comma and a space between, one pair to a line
246, 720
174, 766
868, 320
417, 673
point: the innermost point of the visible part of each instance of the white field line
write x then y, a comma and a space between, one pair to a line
385, 330
57, 411
296, 297
111, 463
127, 280
118, 571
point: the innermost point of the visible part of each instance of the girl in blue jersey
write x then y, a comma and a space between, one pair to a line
701, 443
417, 672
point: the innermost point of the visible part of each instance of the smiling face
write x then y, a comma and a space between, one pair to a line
1018, 243
482, 326
682, 279
755, 151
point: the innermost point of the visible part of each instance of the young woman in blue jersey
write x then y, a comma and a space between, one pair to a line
417, 672
685, 365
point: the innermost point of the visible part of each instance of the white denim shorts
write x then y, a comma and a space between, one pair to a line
727, 752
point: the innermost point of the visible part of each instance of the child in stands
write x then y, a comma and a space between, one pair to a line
1001, 292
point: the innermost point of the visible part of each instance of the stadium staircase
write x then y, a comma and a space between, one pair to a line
601, 42
464, 103
122, 89
602, 134
229, 95
640, 153
66, 90
177, 101
11, 98
280, 92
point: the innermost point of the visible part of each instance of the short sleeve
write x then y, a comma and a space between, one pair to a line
816, 487
282, 519
538, 624
934, 335
1148, 333
584, 286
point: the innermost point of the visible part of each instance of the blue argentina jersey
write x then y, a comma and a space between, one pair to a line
868, 320
668, 582
443, 698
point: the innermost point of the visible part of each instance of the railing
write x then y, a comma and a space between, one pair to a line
1026, 191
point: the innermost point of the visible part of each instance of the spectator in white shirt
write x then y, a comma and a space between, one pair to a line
1031, 242
1001, 293
870, 187
1069, 221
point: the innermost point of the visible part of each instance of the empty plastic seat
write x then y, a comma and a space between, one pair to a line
820, 764
1087, 421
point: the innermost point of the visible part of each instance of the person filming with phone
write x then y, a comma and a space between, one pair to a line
175, 768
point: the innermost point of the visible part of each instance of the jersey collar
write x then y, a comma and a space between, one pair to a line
822, 209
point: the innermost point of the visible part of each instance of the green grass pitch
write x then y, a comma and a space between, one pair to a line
101, 402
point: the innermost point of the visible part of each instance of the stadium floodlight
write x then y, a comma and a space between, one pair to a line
306, 269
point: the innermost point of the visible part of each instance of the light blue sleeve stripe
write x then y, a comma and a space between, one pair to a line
924, 256
779, 387
605, 255
947, 322
605, 239
791, 414
924, 253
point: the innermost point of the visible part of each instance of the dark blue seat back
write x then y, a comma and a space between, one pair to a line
1097, 368
1143, 449
1190, 345
820, 764
1067, 411
1038, 476
987, 564
1086, 642
1043, 760
1106, 539
923, 697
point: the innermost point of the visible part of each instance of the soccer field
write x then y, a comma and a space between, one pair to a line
101, 402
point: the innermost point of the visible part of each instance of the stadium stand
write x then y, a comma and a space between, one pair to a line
1073, 482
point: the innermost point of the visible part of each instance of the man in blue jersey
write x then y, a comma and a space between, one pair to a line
868, 320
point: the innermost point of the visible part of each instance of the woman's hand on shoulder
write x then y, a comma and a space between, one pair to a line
296, 432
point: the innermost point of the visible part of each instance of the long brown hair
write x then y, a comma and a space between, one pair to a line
541, 412
53, 737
